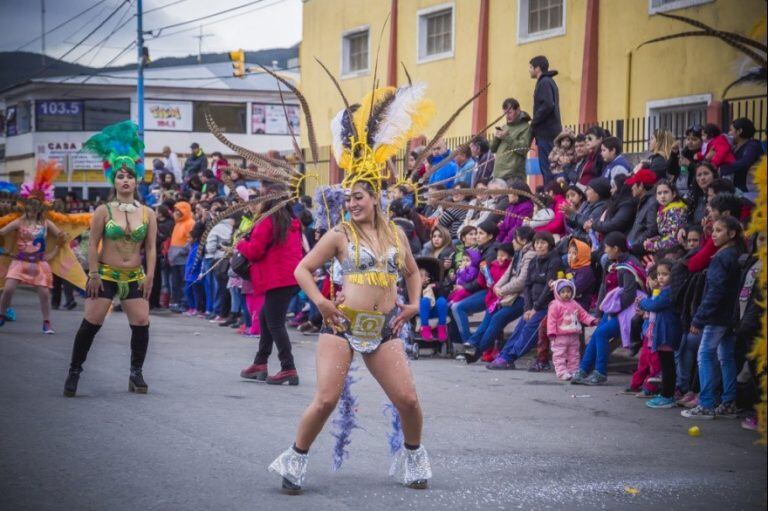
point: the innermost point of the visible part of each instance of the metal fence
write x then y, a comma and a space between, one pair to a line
634, 132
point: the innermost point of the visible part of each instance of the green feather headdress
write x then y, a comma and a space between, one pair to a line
120, 147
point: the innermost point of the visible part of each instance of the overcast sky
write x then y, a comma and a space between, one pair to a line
265, 24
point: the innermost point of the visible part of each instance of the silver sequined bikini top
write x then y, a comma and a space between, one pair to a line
368, 261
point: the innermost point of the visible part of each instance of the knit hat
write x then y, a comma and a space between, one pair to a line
601, 187
563, 283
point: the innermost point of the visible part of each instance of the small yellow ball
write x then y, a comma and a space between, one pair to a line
694, 431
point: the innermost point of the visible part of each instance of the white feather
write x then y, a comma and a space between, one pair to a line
396, 120
336, 142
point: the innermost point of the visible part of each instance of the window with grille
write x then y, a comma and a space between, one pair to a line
540, 19
355, 52
435, 33
655, 6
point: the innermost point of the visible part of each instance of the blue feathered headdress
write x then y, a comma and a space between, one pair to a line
120, 147
329, 202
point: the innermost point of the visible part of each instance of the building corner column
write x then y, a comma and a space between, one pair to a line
480, 107
589, 71
392, 57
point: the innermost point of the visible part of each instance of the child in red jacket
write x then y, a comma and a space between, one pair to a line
565, 318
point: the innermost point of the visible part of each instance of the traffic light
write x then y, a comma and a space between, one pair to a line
238, 63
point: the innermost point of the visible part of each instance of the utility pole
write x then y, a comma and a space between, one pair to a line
200, 44
140, 85
42, 29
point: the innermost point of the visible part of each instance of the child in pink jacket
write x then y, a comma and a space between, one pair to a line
564, 320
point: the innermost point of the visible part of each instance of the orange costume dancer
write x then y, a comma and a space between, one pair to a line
38, 249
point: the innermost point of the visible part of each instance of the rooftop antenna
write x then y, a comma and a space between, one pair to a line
200, 38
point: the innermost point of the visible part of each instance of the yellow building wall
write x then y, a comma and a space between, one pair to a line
672, 68
663, 70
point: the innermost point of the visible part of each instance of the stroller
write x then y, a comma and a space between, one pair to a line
418, 345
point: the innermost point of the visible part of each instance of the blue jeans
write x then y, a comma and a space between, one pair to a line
493, 324
195, 294
523, 338
462, 310
439, 311
209, 283
685, 358
596, 355
716, 345
545, 147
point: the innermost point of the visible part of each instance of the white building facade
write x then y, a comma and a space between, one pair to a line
52, 117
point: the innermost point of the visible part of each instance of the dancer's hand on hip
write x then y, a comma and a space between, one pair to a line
331, 315
406, 313
93, 286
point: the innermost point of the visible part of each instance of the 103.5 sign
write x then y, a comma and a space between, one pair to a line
62, 108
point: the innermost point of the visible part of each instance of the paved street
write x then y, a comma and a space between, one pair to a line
202, 438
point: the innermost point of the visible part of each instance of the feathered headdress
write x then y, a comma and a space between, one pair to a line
365, 136
120, 147
41, 187
329, 203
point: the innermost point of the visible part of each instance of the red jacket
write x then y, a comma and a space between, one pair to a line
557, 224
272, 264
722, 149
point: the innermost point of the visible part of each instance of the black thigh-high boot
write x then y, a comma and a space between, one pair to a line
83, 341
139, 343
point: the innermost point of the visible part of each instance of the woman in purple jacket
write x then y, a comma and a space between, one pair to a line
520, 207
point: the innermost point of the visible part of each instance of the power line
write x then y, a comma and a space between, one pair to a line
120, 54
125, 2
174, 25
98, 47
164, 6
183, 30
61, 24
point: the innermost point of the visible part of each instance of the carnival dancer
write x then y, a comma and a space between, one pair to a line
29, 262
120, 229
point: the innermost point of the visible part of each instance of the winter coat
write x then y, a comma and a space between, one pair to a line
195, 164
590, 211
592, 168
272, 263
180, 236
619, 166
444, 174
620, 220
658, 164
445, 253
721, 291
487, 254
515, 214
667, 330
567, 317
469, 273
669, 220
496, 270
583, 276
409, 228
612, 304
541, 271
512, 149
465, 173
723, 153
644, 225
546, 123
221, 234
745, 157
557, 224
512, 283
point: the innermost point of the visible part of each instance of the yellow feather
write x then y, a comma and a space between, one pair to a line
362, 114
419, 119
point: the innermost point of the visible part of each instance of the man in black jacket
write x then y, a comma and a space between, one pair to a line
546, 111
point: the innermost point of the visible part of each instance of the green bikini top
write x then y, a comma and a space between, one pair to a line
113, 231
